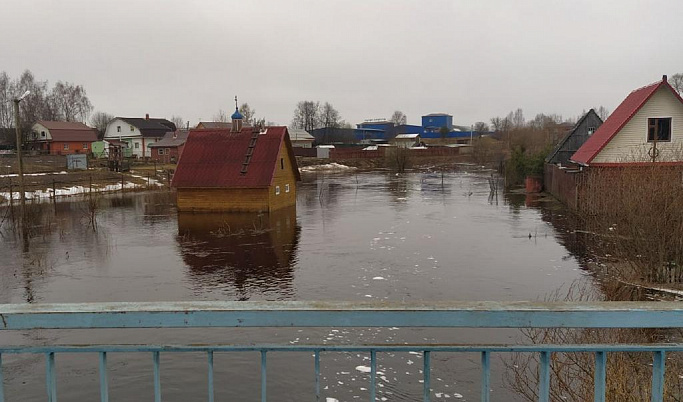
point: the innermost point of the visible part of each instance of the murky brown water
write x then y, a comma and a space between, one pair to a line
370, 236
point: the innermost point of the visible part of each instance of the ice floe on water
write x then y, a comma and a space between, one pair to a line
363, 369
327, 166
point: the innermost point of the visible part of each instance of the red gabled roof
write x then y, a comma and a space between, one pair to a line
68, 131
616, 121
214, 158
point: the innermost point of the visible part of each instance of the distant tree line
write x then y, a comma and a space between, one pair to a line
64, 101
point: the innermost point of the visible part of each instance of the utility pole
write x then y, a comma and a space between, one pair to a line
20, 161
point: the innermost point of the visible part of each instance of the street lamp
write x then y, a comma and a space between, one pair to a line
20, 162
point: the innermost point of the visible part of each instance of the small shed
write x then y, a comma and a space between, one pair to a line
323, 151
406, 140
77, 162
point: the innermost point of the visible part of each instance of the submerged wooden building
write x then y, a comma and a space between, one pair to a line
238, 169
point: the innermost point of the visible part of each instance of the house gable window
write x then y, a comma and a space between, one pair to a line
286, 188
591, 130
118, 129
132, 128
277, 190
42, 134
659, 126
282, 163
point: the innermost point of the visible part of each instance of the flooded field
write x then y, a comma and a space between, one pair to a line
366, 236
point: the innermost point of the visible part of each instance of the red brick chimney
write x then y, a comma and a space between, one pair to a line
147, 116
664, 77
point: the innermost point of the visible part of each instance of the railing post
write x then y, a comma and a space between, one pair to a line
210, 369
373, 374
264, 367
658, 376
157, 377
317, 375
485, 376
544, 377
2, 383
600, 376
427, 376
50, 380
104, 383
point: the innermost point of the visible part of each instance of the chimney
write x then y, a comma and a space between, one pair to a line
147, 116
664, 77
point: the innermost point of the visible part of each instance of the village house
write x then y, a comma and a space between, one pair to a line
236, 169
62, 137
558, 177
300, 138
138, 133
169, 149
646, 127
574, 139
210, 125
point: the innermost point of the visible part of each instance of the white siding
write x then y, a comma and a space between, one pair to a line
630, 144
39, 128
132, 137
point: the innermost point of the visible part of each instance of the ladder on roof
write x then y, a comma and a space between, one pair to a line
250, 152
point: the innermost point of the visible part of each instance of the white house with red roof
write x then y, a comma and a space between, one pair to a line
646, 127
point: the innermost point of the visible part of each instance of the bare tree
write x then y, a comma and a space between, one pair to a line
518, 118
248, 113
306, 115
178, 121
329, 116
398, 118
481, 127
602, 112
6, 95
676, 81
222, 116
69, 102
99, 121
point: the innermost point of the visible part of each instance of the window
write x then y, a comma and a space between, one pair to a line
277, 190
42, 134
161, 151
591, 130
286, 188
66, 146
660, 126
118, 129
85, 145
282, 163
137, 145
132, 128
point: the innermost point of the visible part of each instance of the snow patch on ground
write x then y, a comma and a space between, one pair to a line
31, 174
327, 166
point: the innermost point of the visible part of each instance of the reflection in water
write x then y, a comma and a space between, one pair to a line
250, 254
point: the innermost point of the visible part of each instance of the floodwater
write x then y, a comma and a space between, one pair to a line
370, 236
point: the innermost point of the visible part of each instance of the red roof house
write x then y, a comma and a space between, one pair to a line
646, 127
236, 169
63, 137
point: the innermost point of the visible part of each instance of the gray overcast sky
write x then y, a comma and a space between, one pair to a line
472, 59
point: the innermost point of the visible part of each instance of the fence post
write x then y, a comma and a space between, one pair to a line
121, 181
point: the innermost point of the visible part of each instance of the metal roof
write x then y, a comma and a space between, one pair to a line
215, 158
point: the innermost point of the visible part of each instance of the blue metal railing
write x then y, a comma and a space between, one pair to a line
347, 314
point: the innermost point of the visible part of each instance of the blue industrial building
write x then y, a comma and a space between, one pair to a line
430, 128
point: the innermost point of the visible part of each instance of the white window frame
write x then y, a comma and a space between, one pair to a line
66, 146
286, 188
160, 151
85, 145
277, 190
137, 145
132, 128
